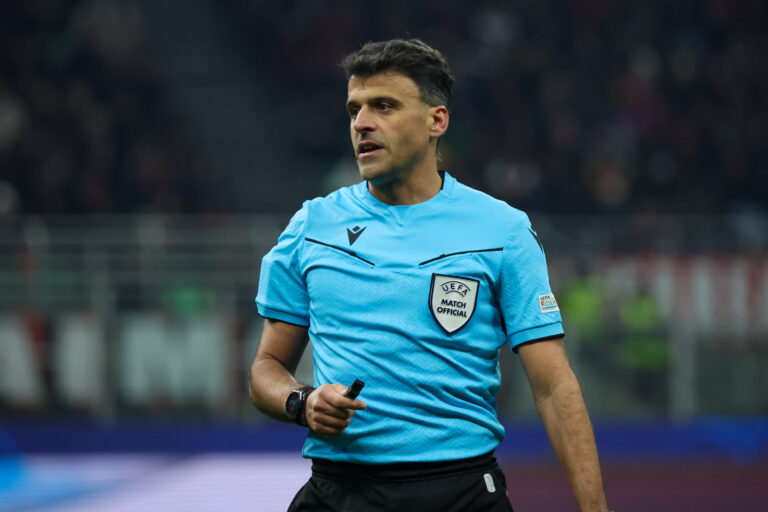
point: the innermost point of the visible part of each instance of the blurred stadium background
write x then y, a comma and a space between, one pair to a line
151, 152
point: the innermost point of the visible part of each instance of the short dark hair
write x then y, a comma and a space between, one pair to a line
413, 58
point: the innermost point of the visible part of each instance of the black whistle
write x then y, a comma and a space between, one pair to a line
354, 389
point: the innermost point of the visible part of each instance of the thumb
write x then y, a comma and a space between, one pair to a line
339, 388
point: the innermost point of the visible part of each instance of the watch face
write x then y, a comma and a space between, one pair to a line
293, 403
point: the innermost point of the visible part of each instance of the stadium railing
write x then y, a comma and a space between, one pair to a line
666, 317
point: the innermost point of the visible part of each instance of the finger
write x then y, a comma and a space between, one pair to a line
335, 396
321, 405
320, 399
328, 425
325, 431
330, 410
326, 414
357, 405
347, 404
332, 422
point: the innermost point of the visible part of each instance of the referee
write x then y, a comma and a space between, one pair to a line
411, 282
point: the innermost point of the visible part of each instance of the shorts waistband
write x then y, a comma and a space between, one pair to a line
401, 470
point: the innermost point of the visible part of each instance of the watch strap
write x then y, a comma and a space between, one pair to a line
301, 417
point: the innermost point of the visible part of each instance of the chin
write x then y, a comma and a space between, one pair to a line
373, 173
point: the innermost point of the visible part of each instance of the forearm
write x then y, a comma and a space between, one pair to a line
271, 378
565, 417
269, 386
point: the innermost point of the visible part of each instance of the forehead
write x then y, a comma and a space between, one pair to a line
389, 83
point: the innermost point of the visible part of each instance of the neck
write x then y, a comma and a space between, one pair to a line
412, 189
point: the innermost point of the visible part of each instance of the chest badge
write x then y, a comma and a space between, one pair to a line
452, 301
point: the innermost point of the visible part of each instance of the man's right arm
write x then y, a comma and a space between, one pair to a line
328, 412
271, 379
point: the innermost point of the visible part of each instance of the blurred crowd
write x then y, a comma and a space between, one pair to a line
85, 125
586, 106
581, 107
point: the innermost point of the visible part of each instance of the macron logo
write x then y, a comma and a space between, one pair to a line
355, 233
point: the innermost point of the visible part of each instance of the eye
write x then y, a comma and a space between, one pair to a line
353, 111
385, 106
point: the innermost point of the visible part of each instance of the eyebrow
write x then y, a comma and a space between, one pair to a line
376, 99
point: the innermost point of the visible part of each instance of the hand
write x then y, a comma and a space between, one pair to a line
328, 411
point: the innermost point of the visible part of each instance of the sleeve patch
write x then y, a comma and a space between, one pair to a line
548, 303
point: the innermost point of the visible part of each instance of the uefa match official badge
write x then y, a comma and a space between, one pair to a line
452, 301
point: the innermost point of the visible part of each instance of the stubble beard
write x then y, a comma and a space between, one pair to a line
376, 176
382, 173
376, 172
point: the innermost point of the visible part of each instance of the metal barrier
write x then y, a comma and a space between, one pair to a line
117, 316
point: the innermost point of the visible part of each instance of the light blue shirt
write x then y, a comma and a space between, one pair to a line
415, 301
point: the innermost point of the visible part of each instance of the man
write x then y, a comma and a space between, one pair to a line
411, 282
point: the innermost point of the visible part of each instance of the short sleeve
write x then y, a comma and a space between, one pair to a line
527, 303
282, 293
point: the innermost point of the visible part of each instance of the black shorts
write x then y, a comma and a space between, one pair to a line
467, 485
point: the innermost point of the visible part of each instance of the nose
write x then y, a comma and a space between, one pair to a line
364, 121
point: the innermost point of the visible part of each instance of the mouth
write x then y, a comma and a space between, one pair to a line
367, 148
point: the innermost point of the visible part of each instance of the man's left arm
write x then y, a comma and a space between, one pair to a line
561, 406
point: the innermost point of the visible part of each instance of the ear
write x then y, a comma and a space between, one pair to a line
438, 118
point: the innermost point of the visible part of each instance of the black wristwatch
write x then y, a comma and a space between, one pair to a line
295, 404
